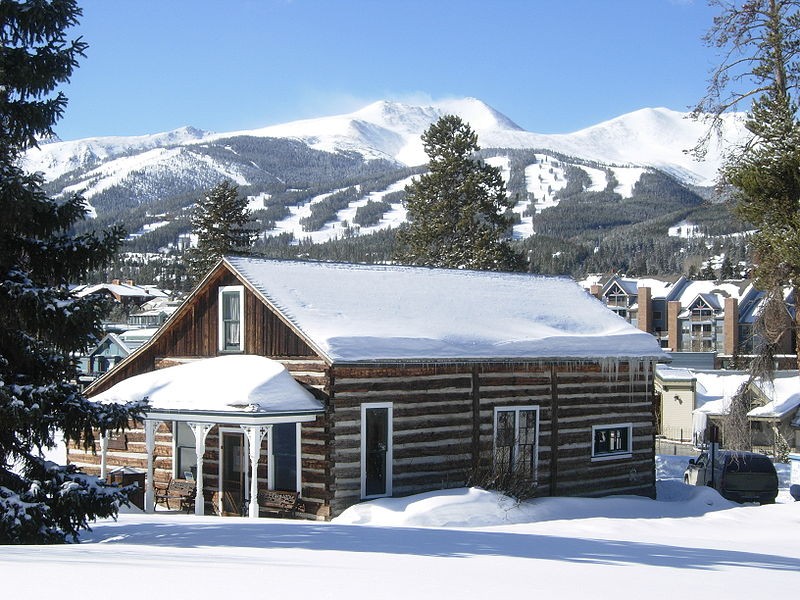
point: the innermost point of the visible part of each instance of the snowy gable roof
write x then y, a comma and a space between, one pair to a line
782, 394
354, 313
716, 389
688, 291
225, 384
627, 286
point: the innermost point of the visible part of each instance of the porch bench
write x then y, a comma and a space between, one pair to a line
180, 491
281, 502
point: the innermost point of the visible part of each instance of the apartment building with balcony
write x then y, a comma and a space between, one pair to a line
715, 319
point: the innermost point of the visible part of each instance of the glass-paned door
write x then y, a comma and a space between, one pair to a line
376, 450
234, 473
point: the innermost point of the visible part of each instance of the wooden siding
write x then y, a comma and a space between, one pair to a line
194, 333
443, 425
443, 415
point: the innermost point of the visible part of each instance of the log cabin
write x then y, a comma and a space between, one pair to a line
351, 382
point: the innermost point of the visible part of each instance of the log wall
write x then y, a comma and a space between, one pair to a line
443, 425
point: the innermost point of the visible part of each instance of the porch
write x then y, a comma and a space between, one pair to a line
232, 425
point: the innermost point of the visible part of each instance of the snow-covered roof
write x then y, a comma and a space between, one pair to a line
783, 393
716, 389
687, 293
224, 384
354, 313
668, 373
116, 339
120, 289
659, 288
628, 286
709, 300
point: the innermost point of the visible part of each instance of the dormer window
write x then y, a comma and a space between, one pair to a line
231, 318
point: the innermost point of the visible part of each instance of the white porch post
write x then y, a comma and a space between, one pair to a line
200, 433
150, 427
104, 456
255, 434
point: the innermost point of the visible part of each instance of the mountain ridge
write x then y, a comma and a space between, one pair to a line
648, 137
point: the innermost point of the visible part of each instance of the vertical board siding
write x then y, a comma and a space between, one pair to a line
194, 333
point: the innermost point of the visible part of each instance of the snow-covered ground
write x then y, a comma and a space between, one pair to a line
455, 544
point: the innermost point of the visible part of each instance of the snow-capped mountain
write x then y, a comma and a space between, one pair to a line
148, 181
650, 137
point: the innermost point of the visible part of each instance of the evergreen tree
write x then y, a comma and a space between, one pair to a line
458, 211
221, 222
726, 270
761, 40
43, 325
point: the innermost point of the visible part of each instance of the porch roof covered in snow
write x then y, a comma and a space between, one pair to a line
226, 389
371, 313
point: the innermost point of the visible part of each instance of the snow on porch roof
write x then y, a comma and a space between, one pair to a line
356, 313
226, 384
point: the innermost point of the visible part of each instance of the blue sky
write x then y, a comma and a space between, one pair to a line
551, 66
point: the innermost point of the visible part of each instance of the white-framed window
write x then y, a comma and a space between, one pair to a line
184, 464
612, 441
376, 449
284, 452
516, 441
231, 318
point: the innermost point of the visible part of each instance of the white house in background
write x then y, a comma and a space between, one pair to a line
125, 292
682, 392
691, 400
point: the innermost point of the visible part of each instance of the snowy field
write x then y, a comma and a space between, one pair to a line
455, 544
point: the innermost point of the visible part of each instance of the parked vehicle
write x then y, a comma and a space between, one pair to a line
737, 476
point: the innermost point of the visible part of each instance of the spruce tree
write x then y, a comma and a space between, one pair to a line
42, 325
760, 41
458, 210
222, 224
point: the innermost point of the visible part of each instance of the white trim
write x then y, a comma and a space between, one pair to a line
200, 431
255, 435
233, 419
104, 456
298, 452
175, 449
389, 449
221, 324
270, 460
628, 453
517, 410
150, 427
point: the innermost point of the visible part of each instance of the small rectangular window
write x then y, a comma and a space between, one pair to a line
185, 462
612, 441
284, 453
231, 318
